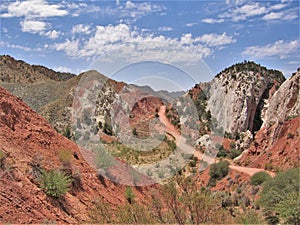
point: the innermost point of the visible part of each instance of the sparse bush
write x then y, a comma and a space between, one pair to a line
55, 183
100, 213
269, 166
65, 157
280, 198
290, 135
129, 195
67, 132
249, 217
233, 153
134, 131
2, 157
103, 159
259, 178
218, 171
222, 153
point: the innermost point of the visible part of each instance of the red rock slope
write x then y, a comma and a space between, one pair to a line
29, 143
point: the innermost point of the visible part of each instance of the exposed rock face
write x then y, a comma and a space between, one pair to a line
285, 103
237, 96
277, 143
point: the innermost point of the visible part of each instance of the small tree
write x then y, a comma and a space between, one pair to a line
219, 170
259, 178
55, 183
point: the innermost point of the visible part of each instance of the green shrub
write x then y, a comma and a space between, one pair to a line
67, 132
222, 153
55, 183
280, 198
219, 170
233, 153
103, 159
129, 195
259, 178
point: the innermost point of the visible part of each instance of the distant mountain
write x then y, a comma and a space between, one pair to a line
163, 94
18, 71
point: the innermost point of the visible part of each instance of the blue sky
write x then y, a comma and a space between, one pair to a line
198, 37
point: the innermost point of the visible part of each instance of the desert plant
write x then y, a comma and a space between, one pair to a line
67, 132
65, 157
233, 153
259, 178
280, 198
55, 183
249, 217
129, 195
2, 157
219, 170
103, 159
100, 212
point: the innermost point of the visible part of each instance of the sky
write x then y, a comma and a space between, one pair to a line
186, 42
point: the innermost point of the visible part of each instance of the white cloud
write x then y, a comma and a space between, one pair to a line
139, 9
33, 9
278, 6
279, 49
81, 28
273, 16
254, 10
52, 34
70, 47
212, 20
216, 40
8, 45
33, 26
110, 43
244, 11
165, 28
63, 69
191, 24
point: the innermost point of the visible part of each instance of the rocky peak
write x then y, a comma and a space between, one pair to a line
238, 95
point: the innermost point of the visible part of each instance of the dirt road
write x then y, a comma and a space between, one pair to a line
181, 144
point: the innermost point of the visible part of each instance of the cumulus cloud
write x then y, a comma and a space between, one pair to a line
52, 34
139, 9
281, 49
81, 28
33, 9
216, 40
122, 41
33, 26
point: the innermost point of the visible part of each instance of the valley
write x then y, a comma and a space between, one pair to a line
121, 153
